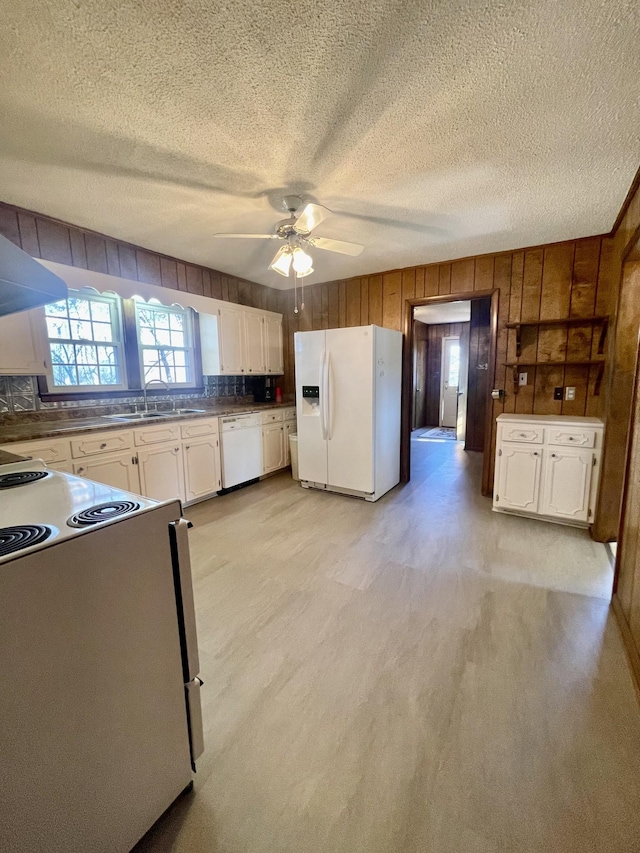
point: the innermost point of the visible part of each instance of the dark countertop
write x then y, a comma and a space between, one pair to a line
7, 458
34, 430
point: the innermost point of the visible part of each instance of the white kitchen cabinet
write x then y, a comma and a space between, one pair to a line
117, 470
202, 475
518, 484
273, 344
104, 442
23, 344
567, 483
231, 337
162, 471
272, 447
54, 452
254, 343
548, 467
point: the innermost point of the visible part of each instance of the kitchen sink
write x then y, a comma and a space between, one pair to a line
139, 416
187, 412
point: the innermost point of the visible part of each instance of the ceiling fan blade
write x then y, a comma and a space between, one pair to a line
339, 246
250, 236
310, 216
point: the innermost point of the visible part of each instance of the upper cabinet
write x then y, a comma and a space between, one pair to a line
23, 341
238, 340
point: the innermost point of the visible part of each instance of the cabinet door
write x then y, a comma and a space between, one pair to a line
567, 483
289, 429
118, 471
273, 344
161, 472
231, 340
519, 478
201, 467
254, 341
272, 448
23, 343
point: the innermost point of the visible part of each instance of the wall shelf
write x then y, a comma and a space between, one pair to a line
600, 320
586, 363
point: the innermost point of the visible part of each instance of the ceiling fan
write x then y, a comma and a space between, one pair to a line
295, 232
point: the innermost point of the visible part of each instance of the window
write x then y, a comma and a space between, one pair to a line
85, 342
165, 343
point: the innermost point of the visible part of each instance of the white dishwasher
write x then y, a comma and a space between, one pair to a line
241, 439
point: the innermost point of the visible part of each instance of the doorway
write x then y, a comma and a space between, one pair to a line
465, 359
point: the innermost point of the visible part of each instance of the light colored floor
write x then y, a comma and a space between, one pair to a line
419, 675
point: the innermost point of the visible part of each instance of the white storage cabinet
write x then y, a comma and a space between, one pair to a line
548, 467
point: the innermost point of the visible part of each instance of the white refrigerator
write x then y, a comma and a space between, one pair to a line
348, 387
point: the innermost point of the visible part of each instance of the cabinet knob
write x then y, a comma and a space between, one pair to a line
553, 455
187, 447
571, 438
103, 445
80, 470
535, 452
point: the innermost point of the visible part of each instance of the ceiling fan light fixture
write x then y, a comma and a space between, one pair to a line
302, 262
282, 261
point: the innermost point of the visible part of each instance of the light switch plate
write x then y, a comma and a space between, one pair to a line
522, 379
570, 392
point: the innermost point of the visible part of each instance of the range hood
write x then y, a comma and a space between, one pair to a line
24, 283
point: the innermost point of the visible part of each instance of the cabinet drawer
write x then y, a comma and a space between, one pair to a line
156, 434
572, 437
290, 414
272, 417
523, 433
197, 428
88, 445
50, 451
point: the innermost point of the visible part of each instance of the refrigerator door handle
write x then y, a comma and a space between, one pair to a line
323, 405
194, 719
327, 395
179, 539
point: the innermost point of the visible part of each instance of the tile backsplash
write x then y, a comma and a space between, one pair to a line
20, 394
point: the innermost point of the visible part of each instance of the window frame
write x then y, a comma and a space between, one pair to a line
117, 343
189, 322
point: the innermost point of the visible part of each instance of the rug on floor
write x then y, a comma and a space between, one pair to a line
437, 433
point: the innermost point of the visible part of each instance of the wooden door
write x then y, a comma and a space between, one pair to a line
519, 478
116, 470
161, 472
201, 467
567, 483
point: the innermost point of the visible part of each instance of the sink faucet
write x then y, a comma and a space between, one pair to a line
144, 390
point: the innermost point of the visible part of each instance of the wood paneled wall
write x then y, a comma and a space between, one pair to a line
433, 335
559, 280
51, 240
479, 385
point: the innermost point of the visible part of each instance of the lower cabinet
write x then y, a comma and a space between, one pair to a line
161, 471
116, 470
548, 467
273, 454
290, 428
202, 475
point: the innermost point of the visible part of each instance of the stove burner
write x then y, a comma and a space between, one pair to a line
20, 478
102, 512
22, 536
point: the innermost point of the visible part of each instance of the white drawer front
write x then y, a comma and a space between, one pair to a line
156, 434
88, 445
200, 427
572, 437
289, 414
524, 433
50, 451
272, 417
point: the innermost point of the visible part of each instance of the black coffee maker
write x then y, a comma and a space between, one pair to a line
264, 389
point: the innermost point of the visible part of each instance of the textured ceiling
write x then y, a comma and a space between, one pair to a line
433, 130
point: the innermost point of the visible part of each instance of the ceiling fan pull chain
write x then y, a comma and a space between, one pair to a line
295, 292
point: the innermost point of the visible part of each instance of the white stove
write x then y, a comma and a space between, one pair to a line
101, 719
39, 506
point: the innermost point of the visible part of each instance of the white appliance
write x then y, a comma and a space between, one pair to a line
348, 386
241, 448
100, 705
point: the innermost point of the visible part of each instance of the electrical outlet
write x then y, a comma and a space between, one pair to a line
557, 393
570, 393
522, 379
